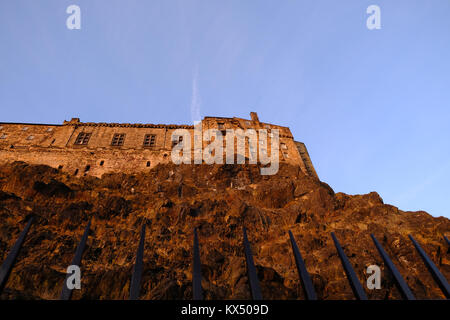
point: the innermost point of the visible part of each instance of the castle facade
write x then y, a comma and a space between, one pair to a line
85, 148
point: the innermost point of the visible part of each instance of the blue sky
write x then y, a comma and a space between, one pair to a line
372, 106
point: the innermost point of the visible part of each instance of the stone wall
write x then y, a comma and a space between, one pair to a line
55, 145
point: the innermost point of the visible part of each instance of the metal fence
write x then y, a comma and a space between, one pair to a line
254, 286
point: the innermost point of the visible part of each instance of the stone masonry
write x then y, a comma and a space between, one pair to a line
85, 148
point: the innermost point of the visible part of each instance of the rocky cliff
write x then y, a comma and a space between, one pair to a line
219, 201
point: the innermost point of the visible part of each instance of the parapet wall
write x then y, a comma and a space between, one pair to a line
112, 147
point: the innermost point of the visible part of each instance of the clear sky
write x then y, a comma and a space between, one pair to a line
372, 106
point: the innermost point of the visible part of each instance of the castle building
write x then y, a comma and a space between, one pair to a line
86, 148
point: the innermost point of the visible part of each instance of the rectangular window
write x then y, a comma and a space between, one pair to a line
118, 139
221, 125
283, 146
177, 141
149, 140
83, 138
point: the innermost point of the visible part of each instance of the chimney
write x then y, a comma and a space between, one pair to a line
254, 117
73, 120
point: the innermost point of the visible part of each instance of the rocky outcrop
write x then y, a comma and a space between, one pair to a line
219, 201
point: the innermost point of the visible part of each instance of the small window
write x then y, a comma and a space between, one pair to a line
148, 163
177, 140
285, 155
118, 139
283, 146
87, 168
149, 140
60, 167
76, 172
3, 136
30, 137
83, 138
102, 163
221, 125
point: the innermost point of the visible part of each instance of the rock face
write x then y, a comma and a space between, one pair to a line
219, 201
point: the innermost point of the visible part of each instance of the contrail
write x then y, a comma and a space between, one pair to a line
195, 99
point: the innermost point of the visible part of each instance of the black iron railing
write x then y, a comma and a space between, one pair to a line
254, 286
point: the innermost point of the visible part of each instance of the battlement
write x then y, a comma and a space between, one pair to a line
90, 148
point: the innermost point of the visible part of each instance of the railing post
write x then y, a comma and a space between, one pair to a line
66, 293
251, 270
308, 287
8, 264
197, 271
135, 285
446, 239
357, 288
402, 286
436, 274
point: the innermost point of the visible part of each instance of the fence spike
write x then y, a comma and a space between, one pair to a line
308, 287
437, 275
135, 285
8, 264
357, 288
446, 239
197, 271
66, 293
251, 270
402, 286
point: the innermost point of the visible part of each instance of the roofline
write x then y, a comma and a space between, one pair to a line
32, 124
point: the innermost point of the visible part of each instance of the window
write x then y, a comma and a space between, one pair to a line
148, 163
176, 141
102, 162
283, 146
285, 155
118, 139
149, 140
221, 125
83, 138
3, 136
